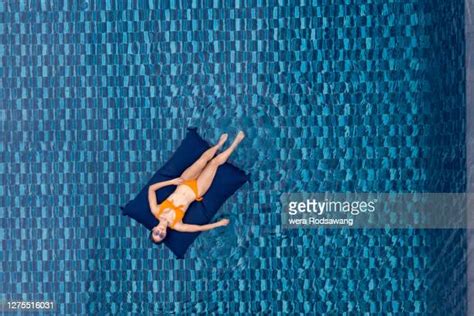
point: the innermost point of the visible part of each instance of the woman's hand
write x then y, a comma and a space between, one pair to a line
223, 222
189, 228
176, 181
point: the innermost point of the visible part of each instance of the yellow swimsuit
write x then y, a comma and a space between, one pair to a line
192, 184
178, 210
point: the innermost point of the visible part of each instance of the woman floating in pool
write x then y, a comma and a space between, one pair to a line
191, 186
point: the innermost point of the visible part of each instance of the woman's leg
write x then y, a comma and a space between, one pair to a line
204, 180
195, 169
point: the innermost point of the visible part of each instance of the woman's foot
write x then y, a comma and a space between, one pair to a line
240, 136
222, 140
223, 156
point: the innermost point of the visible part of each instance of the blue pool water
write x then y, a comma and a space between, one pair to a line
333, 95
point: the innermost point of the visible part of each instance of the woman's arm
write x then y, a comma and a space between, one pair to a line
152, 189
188, 228
159, 185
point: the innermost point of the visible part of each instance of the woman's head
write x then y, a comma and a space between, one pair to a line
158, 233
